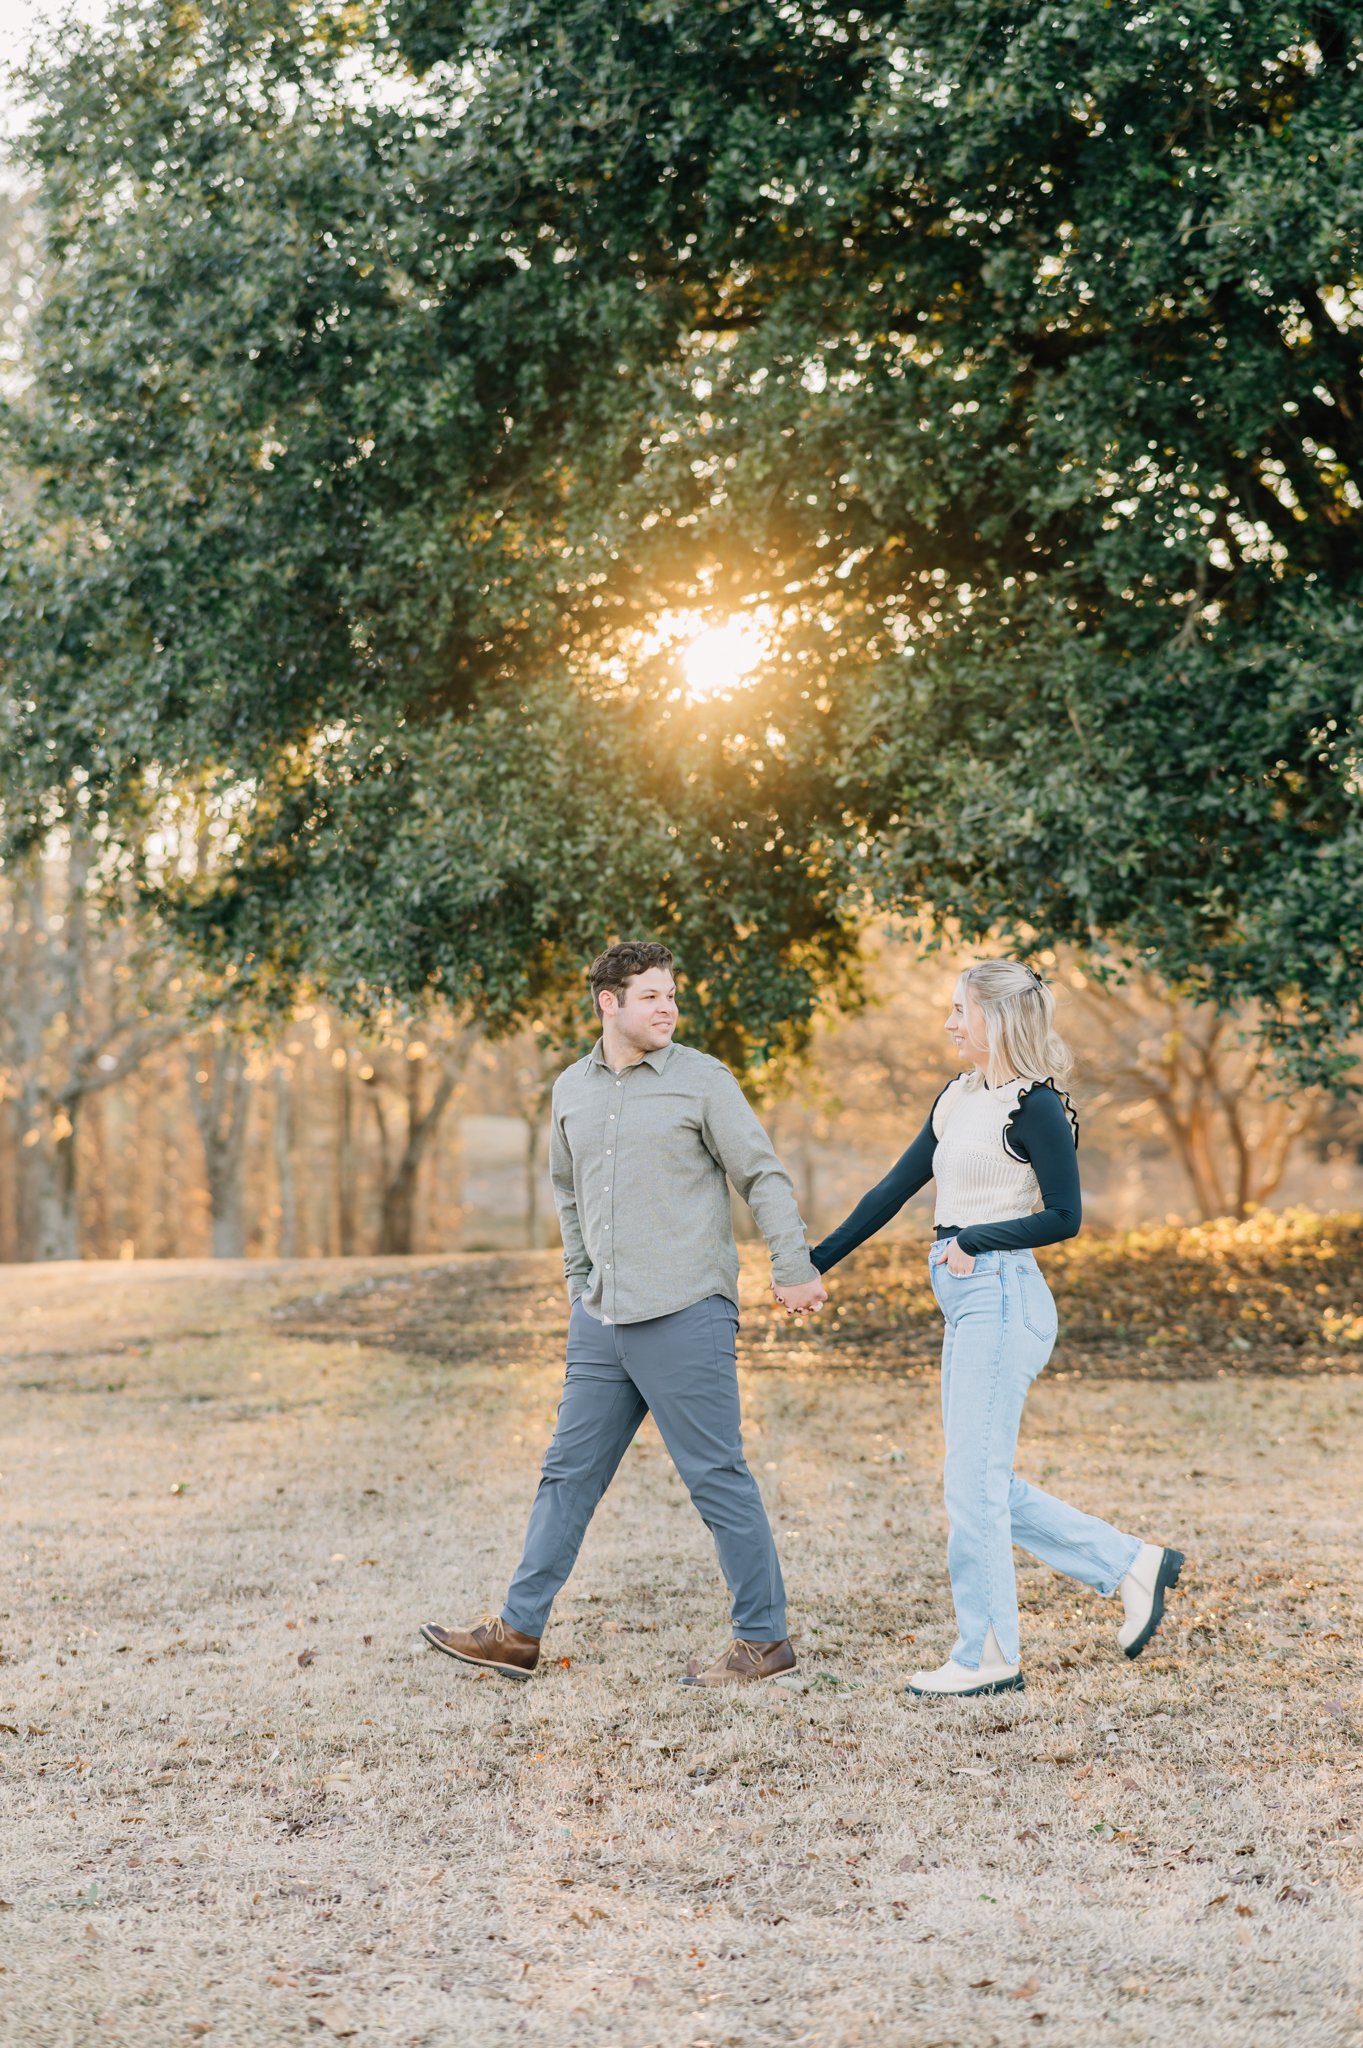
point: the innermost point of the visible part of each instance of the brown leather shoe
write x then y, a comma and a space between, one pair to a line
489, 1643
742, 1662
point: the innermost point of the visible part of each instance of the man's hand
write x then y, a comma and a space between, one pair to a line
805, 1300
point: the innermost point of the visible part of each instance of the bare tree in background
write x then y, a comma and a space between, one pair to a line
536, 1063
1194, 1076
444, 1051
1199, 1076
282, 1134
868, 1079
86, 996
220, 1095
342, 1066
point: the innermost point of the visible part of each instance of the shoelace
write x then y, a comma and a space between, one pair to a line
492, 1626
753, 1651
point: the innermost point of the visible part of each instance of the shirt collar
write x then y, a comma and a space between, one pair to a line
657, 1060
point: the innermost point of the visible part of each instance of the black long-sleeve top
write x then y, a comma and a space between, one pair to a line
1039, 1131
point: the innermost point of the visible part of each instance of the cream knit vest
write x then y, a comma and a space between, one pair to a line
978, 1179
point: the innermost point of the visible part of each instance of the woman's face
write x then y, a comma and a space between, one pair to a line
965, 1026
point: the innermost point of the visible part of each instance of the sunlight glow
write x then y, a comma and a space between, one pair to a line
721, 658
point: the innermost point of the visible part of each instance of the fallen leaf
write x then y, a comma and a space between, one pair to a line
1027, 1990
6, 1905
333, 2014
1245, 1912
306, 1657
8, 1728
1294, 1892
565, 1663
983, 1984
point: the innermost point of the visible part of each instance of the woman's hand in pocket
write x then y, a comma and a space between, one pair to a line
962, 1264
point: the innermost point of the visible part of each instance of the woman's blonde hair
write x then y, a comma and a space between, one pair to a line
1019, 1022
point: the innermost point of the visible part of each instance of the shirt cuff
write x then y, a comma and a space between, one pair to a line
794, 1269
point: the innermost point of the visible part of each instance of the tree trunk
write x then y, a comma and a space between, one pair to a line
283, 1159
399, 1194
142, 1204
11, 1220
534, 1135
220, 1100
98, 1234
54, 1168
345, 1162
809, 1180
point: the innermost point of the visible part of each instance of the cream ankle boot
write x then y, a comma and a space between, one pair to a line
952, 1681
1154, 1574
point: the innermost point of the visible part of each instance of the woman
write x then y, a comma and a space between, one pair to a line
1000, 1142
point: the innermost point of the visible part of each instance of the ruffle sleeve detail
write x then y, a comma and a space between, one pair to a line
1071, 1114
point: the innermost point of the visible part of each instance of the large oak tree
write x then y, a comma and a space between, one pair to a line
398, 369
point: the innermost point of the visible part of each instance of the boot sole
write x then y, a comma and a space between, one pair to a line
972, 1692
477, 1663
1167, 1577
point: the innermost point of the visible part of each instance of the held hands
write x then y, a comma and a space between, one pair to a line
806, 1299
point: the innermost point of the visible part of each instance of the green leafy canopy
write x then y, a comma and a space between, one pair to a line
397, 370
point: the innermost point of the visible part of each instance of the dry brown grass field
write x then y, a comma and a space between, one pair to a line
240, 1803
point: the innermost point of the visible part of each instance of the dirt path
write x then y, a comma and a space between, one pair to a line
239, 1803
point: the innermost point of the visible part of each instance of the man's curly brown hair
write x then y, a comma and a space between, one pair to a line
619, 964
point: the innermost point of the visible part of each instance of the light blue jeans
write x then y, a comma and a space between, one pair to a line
1000, 1331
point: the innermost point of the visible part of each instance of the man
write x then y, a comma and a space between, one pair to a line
644, 1132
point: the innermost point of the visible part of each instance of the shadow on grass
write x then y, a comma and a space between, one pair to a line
1272, 1294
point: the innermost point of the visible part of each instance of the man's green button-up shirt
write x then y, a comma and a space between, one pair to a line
640, 1163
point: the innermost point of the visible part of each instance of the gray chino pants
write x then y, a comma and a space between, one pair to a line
681, 1369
